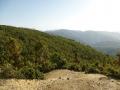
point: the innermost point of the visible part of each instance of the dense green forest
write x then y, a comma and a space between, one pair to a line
28, 54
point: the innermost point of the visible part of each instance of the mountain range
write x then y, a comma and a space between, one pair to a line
107, 42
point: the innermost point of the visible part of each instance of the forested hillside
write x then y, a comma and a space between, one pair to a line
27, 53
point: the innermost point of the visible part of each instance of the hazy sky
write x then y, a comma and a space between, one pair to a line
103, 15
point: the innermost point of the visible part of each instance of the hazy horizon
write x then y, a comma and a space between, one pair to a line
93, 15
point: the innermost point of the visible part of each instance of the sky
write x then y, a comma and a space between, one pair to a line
97, 15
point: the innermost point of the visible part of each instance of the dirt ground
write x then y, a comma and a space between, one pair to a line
63, 80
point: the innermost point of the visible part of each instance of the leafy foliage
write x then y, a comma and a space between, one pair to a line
27, 53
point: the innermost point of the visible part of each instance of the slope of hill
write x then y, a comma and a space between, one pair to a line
97, 39
63, 80
27, 53
110, 47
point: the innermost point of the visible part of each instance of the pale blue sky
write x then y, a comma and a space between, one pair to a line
103, 15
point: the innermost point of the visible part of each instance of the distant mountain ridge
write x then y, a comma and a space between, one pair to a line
101, 40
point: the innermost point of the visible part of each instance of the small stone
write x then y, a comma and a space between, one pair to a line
59, 77
68, 78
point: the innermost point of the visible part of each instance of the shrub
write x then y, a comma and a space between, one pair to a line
39, 75
58, 60
92, 70
8, 72
73, 66
30, 73
113, 72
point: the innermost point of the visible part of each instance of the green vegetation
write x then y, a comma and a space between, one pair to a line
28, 54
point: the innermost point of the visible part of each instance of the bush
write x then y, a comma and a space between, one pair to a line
58, 60
92, 70
30, 73
113, 73
46, 66
83, 67
39, 75
73, 66
8, 72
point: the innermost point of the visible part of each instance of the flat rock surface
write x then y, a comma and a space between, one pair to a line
63, 80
